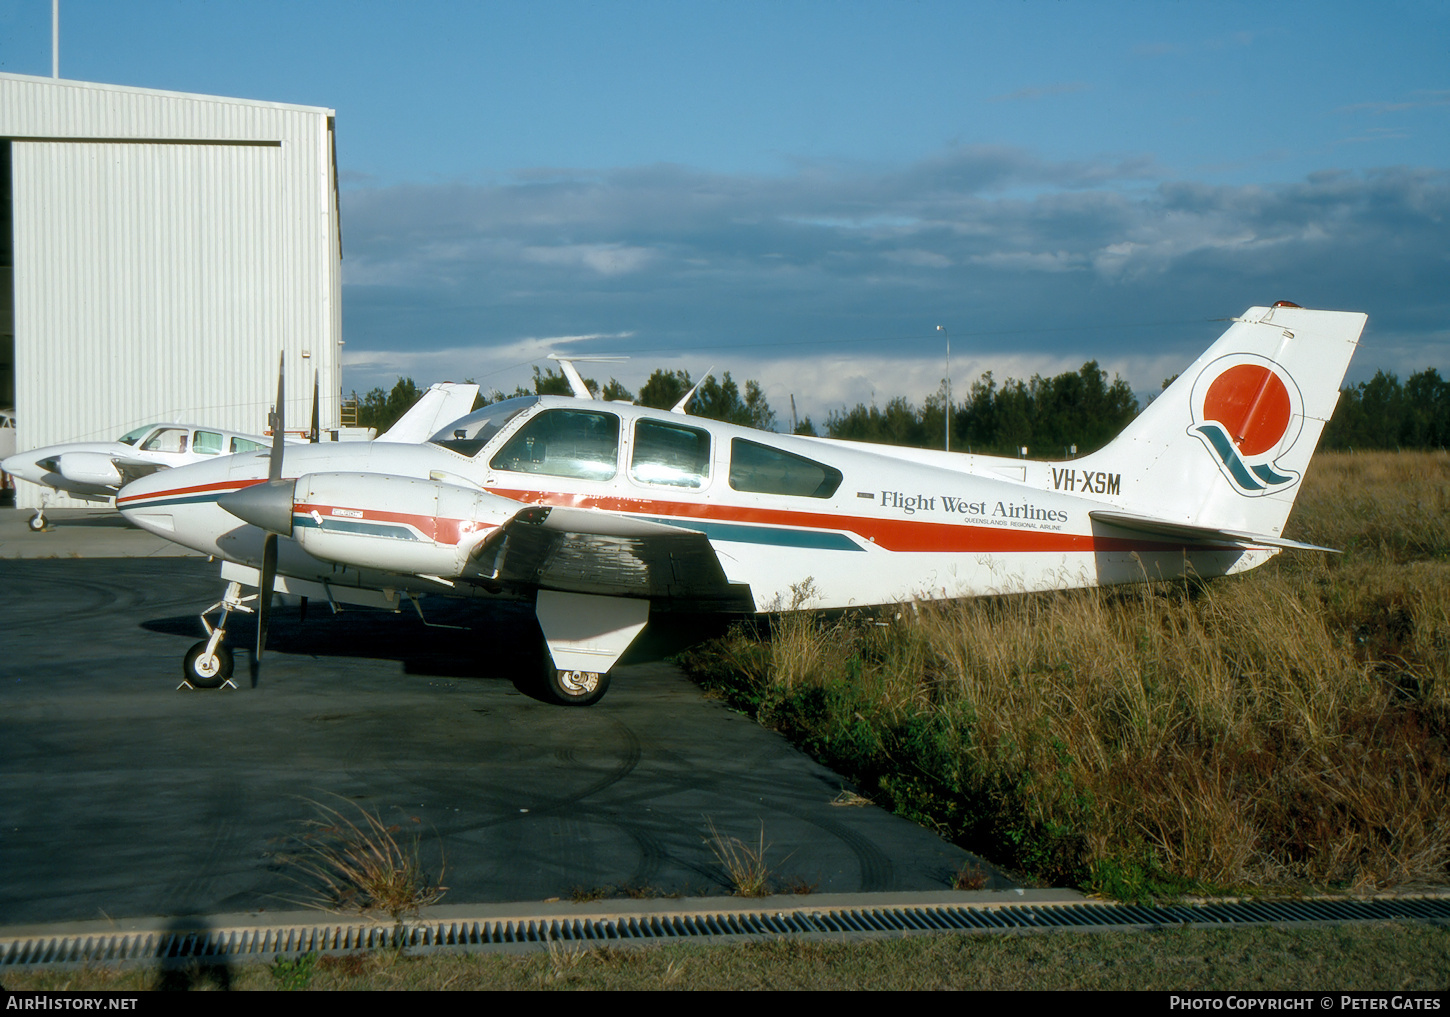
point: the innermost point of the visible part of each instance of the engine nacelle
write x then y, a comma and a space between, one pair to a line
89, 468
391, 523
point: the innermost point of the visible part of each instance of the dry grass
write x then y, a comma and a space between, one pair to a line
1283, 728
1393, 506
360, 865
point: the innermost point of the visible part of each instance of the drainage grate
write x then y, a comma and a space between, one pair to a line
264, 943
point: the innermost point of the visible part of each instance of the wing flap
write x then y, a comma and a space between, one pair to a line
604, 553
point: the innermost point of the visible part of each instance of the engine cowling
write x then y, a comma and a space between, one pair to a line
392, 523
89, 468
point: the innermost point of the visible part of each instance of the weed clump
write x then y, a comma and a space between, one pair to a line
360, 864
745, 865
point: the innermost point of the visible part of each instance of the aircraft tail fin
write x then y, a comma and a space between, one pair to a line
1223, 449
443, 403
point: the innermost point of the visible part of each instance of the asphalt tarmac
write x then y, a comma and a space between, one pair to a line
122, 796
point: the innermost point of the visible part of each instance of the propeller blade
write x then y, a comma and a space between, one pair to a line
316, 434
264, 591
274, 467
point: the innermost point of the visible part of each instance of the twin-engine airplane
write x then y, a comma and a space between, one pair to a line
96, 470
601, 512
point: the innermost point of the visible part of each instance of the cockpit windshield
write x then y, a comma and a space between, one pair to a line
467, 435
131, 437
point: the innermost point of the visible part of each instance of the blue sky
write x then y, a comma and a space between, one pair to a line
800, 192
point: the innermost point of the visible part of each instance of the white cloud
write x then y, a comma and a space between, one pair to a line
605, 259
502, 366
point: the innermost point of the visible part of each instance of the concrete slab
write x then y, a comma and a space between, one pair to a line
80, 533
123, 797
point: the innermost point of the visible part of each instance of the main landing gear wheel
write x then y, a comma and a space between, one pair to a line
576, 688
207, 670
36, 523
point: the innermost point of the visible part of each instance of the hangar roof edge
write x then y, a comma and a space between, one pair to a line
33, 79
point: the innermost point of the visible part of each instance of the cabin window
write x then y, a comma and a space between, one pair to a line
243, 445
675, 455
761, 469
564, 443
208, 443
467, 435
171, 439
132, 437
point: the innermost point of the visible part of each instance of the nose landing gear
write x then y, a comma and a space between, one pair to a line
208, 664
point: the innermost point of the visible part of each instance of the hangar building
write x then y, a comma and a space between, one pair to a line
158, 250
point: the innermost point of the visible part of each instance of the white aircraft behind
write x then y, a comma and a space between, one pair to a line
95, 471
600, 513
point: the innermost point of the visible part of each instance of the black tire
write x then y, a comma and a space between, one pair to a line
36, 523
204, 672
575, 688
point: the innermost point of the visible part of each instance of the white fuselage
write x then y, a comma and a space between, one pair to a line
895, 525
96, 470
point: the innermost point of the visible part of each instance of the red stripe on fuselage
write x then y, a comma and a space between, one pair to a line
435, 528
889, 534
899, 535
220, 488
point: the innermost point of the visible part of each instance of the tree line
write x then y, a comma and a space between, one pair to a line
1072, 413
715, 399
1382, 413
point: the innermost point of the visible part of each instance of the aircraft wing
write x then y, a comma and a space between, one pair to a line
1198, 534
595, 552
134, 469
443, 403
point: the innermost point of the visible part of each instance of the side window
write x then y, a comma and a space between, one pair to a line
170, 439
765, 470
208, 443
668, 453
243, 445
564, 443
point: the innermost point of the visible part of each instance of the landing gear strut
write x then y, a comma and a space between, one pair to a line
208, 664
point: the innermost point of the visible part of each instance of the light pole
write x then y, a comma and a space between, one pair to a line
948, 428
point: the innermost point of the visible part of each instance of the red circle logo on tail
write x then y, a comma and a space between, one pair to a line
1253, 406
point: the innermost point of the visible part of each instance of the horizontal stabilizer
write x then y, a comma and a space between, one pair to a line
1204, 534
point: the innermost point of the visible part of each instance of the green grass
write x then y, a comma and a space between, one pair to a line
1381, 956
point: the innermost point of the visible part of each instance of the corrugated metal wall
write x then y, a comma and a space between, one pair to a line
167, 247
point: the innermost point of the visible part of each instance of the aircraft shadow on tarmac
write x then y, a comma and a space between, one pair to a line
460, 640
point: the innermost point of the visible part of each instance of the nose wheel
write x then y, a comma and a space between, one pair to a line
36, 522
208, 664
207, 667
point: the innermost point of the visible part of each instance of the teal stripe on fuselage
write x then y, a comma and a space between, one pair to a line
740, 533
366, 529
192, 499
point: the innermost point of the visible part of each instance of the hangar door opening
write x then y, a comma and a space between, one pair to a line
148, 281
